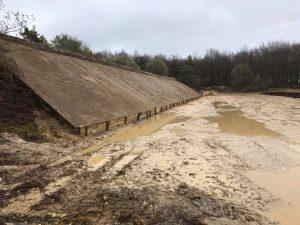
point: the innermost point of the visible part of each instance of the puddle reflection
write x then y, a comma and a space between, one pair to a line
232, 120
142, 128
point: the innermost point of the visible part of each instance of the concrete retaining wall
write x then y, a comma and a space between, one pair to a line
92, 96
110, 124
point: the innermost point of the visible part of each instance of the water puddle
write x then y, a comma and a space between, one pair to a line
146, 127
286, 186
97, 161
232, 120
178, 120
142, 128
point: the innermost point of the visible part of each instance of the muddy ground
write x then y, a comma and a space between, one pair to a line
187, 166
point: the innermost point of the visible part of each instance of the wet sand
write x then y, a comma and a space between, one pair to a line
285, 185
245, 132
139, 129
229, 159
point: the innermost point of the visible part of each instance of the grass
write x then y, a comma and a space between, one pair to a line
27, 131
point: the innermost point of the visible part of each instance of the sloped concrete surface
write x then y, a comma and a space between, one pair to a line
85, 92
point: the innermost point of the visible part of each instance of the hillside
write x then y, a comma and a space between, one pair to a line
85, 92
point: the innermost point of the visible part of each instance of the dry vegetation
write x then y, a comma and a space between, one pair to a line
22, 111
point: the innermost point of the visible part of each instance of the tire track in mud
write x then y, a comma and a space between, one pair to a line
81, 195
38, 184
83, 181
143, 192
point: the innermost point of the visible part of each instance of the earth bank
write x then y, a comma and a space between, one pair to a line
189, 169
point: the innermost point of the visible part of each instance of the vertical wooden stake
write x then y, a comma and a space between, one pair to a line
107, 125
139, 116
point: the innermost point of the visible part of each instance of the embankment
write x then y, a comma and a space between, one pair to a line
89, 95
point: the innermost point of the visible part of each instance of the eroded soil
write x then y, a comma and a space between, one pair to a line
187, 170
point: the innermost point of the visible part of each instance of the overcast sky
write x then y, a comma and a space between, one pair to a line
179, 27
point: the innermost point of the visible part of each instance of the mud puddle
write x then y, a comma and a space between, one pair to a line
286, 186
232, 120
142, 128
97, 161
146, 127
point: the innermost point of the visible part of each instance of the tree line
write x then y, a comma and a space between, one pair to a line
272, 65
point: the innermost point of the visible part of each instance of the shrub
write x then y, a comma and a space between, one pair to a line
157, 66
33, 35
123, 59
241, 76
70, 43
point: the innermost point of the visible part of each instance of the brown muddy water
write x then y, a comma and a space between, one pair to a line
142, 128
97, 161
286, 186
232, 120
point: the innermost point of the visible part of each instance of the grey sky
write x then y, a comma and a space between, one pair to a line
166, 26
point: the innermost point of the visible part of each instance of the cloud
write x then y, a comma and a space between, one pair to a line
165, 26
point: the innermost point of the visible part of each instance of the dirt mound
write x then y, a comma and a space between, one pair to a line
21, 109
17, 102
149, 205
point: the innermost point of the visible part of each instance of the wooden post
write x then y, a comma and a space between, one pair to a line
107, 125
82, 131
139, 116
125, 120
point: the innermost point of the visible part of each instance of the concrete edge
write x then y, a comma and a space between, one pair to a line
124, 120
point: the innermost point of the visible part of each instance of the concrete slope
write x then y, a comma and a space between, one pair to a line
85, 92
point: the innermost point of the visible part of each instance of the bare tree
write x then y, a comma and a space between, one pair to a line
12, 22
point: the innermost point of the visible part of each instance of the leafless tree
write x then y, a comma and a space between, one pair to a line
13, 22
